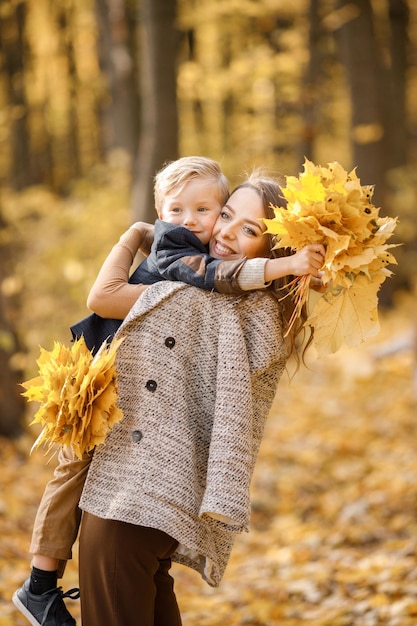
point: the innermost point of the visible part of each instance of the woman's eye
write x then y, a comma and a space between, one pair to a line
249, 231
224, 215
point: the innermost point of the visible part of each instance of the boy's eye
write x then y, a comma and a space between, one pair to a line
202, 209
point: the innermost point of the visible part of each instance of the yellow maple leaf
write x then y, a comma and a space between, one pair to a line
306, 189
77, 394
328, 205
345, 316
294, 231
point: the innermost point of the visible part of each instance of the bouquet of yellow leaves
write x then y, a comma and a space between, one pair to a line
328, 205
77, 394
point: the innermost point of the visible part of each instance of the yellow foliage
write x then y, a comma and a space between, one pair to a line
328, 205
77, 394
345, 316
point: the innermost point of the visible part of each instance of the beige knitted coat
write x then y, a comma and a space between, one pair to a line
197, 375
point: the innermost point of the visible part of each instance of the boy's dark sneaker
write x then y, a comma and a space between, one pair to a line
47, 609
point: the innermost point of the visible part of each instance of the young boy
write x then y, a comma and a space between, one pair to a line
189, 195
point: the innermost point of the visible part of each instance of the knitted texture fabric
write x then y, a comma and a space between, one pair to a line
197, 375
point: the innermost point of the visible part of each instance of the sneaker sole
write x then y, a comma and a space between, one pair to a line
19, 605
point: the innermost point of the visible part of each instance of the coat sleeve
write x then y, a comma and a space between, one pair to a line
248, 371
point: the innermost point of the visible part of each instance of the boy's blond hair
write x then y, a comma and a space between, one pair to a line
178, 173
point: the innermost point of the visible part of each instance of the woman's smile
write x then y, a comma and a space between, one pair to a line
221, 249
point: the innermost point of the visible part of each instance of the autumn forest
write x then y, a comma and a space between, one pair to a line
95, 96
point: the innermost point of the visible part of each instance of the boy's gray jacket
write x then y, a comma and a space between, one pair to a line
197, 374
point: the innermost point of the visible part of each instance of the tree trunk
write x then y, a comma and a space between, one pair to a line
158, 140
66, 162
399, 16
12, 57
310, 91
120, 114
360, 57
12, 405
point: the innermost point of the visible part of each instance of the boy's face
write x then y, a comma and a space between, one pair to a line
195, 206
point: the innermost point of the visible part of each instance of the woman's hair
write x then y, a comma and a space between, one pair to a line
269, 190
175, 175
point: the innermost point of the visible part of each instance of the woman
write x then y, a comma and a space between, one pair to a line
197, 374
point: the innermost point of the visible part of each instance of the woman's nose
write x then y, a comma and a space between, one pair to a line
227, 231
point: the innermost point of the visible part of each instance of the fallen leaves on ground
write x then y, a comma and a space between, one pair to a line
334, 525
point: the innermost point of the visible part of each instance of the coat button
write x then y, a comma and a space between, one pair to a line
151, 385
170, 342
136, 436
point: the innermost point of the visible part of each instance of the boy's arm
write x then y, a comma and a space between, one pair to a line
262, 271
180, 255
308, 260
112, 296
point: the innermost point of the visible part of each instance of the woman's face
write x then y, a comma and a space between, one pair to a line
238, 231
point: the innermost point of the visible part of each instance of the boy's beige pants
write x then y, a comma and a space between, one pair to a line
58, 517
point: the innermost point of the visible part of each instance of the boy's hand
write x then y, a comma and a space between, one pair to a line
146, 231
317, 284
308, 260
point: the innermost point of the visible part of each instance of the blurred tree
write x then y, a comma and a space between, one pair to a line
158, 134
12, 405
117, 47
399, 48
376, 66
12, 67
81, 78
361, 58
62, 134
310, 95
378, 95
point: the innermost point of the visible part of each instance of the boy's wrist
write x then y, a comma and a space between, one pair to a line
277, 268
131, 240
252, 274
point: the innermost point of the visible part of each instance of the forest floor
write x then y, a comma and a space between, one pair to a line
333, 539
